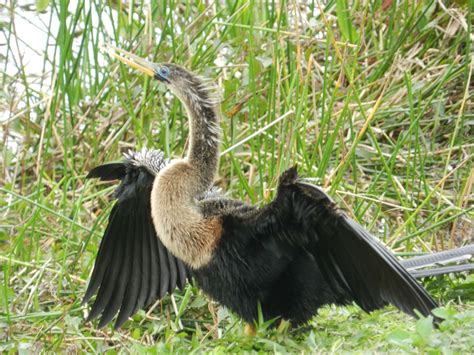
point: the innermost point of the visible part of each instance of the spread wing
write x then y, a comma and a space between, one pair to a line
352, 261
133, 267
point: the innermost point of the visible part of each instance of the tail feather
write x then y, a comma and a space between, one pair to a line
441, 270
443, 257
434, 264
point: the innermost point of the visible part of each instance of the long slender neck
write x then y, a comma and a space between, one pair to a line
178, 220
204, 132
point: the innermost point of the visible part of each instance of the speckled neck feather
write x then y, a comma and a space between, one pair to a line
204, 130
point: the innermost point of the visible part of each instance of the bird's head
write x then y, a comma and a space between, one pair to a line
184, 84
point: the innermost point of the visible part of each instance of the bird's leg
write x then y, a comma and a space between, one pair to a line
250, 330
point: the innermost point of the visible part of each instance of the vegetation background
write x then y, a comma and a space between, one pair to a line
373, 99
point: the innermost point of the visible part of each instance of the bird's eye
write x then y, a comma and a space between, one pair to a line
164, 72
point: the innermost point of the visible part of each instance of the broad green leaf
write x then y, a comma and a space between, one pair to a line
136, 334
424, 327
399, 337
443, 312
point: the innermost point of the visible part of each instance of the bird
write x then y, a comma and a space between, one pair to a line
170, 224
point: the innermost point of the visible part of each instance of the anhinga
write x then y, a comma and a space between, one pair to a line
290, 257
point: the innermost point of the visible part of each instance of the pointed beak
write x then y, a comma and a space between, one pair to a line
132, 60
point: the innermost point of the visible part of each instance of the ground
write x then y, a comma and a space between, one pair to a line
373, 100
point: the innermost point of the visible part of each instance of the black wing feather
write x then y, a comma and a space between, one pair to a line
358, 263
173, 272
115, 300
131, 295
108, 172
353, 263
112, 270
128, 260
105, 251
143, 293
373, 275
181, 273
154, 266
137, 277
132, 267
164, 270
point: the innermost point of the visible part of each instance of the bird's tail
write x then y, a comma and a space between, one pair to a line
445, 262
